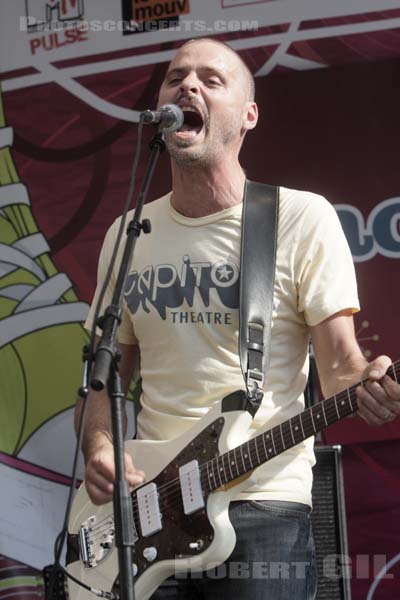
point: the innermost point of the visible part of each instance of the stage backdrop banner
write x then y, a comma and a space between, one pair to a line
75, 75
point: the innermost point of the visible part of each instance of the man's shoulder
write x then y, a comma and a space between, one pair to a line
163, 202
298, 199
153, 208
304, 205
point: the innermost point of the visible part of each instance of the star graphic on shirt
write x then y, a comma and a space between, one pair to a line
225, 273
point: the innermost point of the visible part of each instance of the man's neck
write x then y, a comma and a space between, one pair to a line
199, 191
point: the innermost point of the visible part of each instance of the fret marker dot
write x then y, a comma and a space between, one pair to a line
342, 402
296, 428
245, 455
318, 416
270, 449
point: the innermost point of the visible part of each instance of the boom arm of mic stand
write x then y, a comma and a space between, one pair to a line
106, 349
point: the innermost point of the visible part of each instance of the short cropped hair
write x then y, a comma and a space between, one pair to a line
248, 74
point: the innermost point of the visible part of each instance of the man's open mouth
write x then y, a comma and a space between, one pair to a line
192, 124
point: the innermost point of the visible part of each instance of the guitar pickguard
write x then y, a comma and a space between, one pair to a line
181, 535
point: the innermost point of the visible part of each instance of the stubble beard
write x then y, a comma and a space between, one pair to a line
204, 155
184, 156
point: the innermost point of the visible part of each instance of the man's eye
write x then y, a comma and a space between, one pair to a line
174, 81
212, 81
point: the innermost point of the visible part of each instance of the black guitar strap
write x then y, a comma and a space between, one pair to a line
257, 274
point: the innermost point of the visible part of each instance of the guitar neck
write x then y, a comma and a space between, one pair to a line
244, 458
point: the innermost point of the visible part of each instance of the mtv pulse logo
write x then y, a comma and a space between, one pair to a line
52, 14
59, 21
165, 287
152, 15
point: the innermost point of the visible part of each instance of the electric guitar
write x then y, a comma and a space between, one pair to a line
181, 511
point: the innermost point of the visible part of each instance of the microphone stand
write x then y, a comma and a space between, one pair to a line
106, 372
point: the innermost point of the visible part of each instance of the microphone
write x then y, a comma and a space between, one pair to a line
169, 117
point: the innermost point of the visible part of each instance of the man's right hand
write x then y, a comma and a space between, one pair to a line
100, 474
97, 445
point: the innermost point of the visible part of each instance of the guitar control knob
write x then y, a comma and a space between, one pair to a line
150, 553
197, 545
134, 569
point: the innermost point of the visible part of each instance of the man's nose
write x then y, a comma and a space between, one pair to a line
190, 84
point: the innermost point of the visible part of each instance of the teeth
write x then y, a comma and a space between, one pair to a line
190, 109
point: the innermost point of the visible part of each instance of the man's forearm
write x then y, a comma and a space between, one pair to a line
344, 374
98, 424
338, 356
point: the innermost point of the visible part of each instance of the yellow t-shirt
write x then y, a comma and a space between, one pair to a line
181, 307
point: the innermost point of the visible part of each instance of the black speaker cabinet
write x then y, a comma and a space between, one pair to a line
329, 525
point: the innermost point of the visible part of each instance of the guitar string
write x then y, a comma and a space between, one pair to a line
255, 442
173, 498
330, 412
257, 446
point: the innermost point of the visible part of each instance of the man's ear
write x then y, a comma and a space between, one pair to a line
250, 115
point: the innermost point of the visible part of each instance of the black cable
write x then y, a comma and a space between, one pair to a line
96, 592
88, 354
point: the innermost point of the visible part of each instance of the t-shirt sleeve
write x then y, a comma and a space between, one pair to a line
326, 280
125, 334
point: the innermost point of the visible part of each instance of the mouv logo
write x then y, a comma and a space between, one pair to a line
44, 15
152, 15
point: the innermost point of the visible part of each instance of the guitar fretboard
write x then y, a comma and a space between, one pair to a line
241, 460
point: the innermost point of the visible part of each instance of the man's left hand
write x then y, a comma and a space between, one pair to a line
379, 398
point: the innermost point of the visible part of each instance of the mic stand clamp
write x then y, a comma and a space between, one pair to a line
105, 372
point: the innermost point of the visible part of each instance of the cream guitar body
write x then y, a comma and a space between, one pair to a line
174, 538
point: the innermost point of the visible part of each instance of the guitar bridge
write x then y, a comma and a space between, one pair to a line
84, 548
96, 540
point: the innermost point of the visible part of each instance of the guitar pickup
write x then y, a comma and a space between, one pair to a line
149, 509
192, 494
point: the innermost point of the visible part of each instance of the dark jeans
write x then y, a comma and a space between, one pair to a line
274, 558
